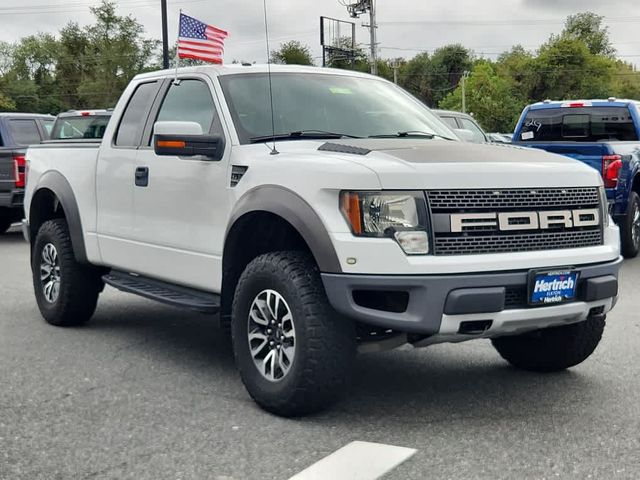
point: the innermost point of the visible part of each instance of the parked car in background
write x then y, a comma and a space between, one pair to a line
460, 122
81, 124
498, 138
604, 134
17, 132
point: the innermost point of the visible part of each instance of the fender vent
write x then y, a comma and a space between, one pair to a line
237, 172
340, 148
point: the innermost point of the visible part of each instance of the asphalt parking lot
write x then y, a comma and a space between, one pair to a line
149, 392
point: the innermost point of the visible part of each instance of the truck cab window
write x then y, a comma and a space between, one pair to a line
188, 101
25, 132
134, 117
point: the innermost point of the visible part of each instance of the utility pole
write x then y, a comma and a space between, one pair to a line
165, 35
362, 7
463, 81
373, 27
396, 67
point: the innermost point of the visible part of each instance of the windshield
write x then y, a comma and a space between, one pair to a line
581, 124
90, 126
352, 106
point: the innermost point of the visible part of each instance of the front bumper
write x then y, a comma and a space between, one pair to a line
444, 304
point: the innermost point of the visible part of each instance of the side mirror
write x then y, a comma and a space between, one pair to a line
465, 135
185, 139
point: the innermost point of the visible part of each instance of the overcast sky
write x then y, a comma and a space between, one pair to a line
406, 26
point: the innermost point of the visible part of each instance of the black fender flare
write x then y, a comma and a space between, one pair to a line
60, 187
295, 210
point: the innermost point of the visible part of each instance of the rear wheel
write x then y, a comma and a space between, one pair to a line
293, 351
552, 349
66, 291
630, 228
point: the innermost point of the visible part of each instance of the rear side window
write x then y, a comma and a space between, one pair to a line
25, 132
87, 127
582, 124
188, 101
451, 122
135, 115
478, 136
48, 126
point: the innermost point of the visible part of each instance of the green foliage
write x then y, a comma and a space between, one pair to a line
588, 28
339, 58
292, 53
80, 68
489, 97
431, 78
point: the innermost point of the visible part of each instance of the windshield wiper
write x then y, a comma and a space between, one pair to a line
412, 134
308, 134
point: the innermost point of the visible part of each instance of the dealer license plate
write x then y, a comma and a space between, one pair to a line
553, 287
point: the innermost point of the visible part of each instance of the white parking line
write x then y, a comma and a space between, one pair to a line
357, 461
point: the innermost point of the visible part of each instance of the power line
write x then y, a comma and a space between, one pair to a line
507, 23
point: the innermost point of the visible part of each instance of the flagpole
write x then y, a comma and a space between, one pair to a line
165, 35
175, 80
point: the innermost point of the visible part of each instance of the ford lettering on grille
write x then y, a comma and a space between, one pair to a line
510, 221
468, 222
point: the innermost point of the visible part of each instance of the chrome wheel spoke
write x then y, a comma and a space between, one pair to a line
257, 342
271, 335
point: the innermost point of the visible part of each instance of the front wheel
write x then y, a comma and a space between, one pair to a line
630, 228
66, 291
552, 349
293, 351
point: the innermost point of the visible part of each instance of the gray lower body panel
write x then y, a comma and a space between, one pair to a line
432, 298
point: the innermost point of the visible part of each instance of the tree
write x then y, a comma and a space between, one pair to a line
587, 26
448, 65
416, 77
489, 97
565, 68
117, 52
340, 58
292, 53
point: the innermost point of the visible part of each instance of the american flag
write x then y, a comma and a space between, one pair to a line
200, 41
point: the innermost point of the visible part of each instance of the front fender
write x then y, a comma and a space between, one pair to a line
295, 210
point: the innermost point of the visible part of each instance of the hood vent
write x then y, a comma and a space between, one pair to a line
237, 172
341, 148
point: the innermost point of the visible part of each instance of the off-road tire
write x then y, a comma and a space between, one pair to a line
631, 242
552, 349
325, 341
80, 285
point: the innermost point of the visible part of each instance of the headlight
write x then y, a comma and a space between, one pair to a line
398, 215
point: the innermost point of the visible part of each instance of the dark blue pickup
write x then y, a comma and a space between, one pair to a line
604, 134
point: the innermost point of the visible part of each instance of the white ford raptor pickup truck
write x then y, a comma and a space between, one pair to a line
345, 218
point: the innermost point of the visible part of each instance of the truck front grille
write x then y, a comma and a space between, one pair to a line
488, 239
515, 199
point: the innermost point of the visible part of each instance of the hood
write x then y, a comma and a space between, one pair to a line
429, 164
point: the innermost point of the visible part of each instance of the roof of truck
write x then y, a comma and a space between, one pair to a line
25, 115
236, 68
611, 102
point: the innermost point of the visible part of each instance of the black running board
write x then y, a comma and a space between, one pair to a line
163, 292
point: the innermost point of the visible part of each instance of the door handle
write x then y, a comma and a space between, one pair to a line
142, 177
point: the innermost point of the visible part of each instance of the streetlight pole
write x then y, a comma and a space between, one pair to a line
165, 35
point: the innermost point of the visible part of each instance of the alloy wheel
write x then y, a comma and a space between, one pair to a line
50, 273
271, 335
